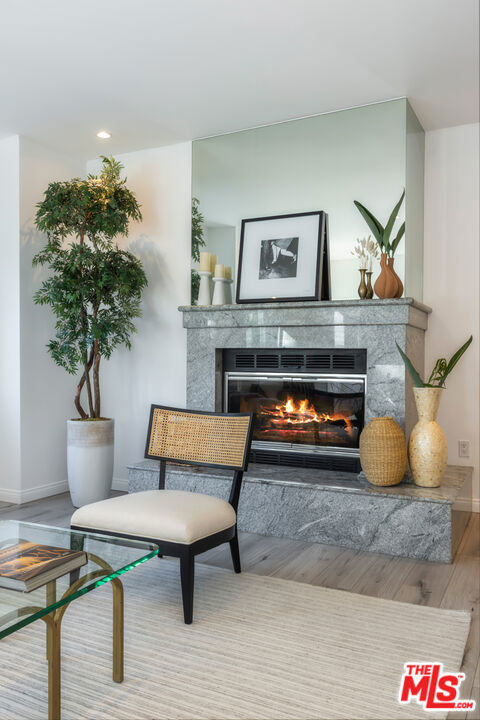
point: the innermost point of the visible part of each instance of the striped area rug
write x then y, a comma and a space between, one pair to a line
259, 647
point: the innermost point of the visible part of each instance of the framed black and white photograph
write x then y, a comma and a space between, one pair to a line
284, 258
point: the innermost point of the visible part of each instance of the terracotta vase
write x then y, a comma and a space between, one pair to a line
390, 262
386, 285
383, 452
427, 447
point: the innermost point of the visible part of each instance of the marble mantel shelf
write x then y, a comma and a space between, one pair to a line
332, 312
310, 303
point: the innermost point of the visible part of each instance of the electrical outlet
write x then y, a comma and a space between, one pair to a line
463, 448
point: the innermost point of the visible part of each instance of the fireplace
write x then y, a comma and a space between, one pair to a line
309, 404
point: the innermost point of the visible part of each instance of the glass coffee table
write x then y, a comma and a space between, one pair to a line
108, 558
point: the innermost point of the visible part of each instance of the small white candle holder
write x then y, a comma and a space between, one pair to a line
219, 291
228, 292
204, 295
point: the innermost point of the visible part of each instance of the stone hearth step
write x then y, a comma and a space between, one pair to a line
334, 508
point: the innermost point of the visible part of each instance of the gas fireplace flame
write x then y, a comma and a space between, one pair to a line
301, 412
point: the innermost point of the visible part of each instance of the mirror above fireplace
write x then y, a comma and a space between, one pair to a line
323, 162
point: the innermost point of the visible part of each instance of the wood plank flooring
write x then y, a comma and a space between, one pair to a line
455, 586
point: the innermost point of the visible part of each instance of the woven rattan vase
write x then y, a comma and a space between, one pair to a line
383, 452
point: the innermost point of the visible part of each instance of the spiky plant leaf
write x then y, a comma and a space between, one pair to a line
375, 226
456, 357
390, 223
417, 380
400, 234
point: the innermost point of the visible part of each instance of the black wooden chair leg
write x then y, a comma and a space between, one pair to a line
187, 575
235, 553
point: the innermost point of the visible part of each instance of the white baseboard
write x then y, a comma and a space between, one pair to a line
473, 505
120, 484
10, 496
476, 505
19, 497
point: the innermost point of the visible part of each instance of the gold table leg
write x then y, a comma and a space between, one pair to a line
54, 668
117, 588
51, 592
54, 622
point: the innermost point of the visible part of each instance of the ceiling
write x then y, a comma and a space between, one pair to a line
155, 72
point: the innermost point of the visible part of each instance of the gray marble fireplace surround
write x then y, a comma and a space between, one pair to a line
373, 325
318, 505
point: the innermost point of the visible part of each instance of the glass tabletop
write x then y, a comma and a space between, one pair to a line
100, 558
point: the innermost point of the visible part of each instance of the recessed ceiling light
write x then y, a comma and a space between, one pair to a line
103, 134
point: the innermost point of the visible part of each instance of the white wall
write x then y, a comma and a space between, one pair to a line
9, 320
154, 371
452, 278
47, 391
35, 395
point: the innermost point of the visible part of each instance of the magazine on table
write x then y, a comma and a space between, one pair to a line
27, 565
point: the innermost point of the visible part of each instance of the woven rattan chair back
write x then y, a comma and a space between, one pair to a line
199, 438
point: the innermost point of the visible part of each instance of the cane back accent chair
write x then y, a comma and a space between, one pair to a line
182, 524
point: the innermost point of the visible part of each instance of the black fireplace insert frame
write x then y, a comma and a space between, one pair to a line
296, 363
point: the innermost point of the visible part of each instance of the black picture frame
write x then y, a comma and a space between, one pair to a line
321, 267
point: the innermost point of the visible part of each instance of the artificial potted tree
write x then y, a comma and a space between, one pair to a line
94, 291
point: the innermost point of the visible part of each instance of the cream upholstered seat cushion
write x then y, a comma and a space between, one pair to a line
170, 515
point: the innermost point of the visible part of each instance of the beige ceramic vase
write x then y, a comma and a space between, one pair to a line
386, 285
427, 447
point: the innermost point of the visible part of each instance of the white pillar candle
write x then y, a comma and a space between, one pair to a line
219, 271
205, 261
228, 272
213, 262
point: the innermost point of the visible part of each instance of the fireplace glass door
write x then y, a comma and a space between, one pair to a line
302, 412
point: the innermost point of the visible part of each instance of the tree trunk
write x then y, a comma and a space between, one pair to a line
85, 378
78, 405
96, 379
89, 388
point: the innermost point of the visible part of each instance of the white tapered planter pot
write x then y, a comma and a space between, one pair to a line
89, 460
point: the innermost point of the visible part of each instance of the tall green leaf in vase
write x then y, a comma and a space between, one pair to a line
388, 284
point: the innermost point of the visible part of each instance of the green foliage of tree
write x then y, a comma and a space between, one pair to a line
198, 241
95, 288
